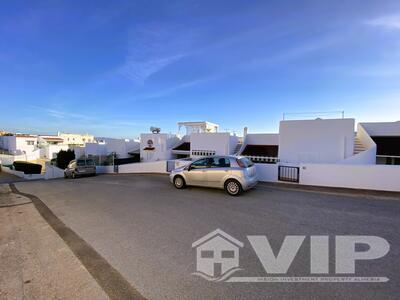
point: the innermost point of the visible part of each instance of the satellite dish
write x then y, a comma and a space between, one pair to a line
155, 129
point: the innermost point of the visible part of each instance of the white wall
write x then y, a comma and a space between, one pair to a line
316, 141
53, 172
22, 145
220, 142
162, 143
18, 144
262, 139
51, 151
144, 167
6, 159
373, 177
21, 174
367, 157
104, 169
95, 149
79, 151
267, 172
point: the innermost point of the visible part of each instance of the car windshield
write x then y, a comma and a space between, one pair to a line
247, 162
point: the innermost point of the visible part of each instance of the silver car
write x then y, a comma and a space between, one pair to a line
80, 167
232, 173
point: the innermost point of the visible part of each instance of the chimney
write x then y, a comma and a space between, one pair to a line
245, 131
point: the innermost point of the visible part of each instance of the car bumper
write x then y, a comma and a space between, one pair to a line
249, 183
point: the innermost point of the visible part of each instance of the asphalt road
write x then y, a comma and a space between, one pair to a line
144, 228
7, 178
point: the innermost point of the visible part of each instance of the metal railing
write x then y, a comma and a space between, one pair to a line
263, 159
289, 174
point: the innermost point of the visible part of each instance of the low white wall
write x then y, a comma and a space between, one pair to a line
21, 174
53, 172
144, 167
104, 169
267, 172
372, 177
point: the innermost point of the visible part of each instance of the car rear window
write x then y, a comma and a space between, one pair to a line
247, 162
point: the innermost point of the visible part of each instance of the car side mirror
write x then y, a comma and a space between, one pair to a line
187, 168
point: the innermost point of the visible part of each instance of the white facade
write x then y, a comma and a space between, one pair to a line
199, 127
106, 146
261, 139
316, 141
217, 143
157, 146
19, 144
50, 145
73, 139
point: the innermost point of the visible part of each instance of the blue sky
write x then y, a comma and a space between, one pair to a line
115, 68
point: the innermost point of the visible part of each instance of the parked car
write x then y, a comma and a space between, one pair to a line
232, 173
80, 167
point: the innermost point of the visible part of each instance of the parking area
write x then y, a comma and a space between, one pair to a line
145, 228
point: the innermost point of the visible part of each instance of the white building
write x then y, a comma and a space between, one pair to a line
203, 139
19, 143
50, 145
107, 146
18, 147
198, 127
157, 146
73, 139
386, 137
316, 141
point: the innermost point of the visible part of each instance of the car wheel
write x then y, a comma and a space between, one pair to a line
179, 182
233, 187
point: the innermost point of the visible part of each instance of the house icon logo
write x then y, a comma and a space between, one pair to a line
217, 256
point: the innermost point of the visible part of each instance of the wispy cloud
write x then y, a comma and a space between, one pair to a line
292, 53
153, 47
88, 121
181, 86
283, 56
139, 71
391, 22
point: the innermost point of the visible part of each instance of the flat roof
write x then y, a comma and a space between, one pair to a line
197, 123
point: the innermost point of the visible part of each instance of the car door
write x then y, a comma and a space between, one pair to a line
196, 173
218, 169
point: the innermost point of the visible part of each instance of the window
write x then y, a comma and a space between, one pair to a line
30, 143
227, 254
207, 254
199, 164
219, 162
81, 163
246, 162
